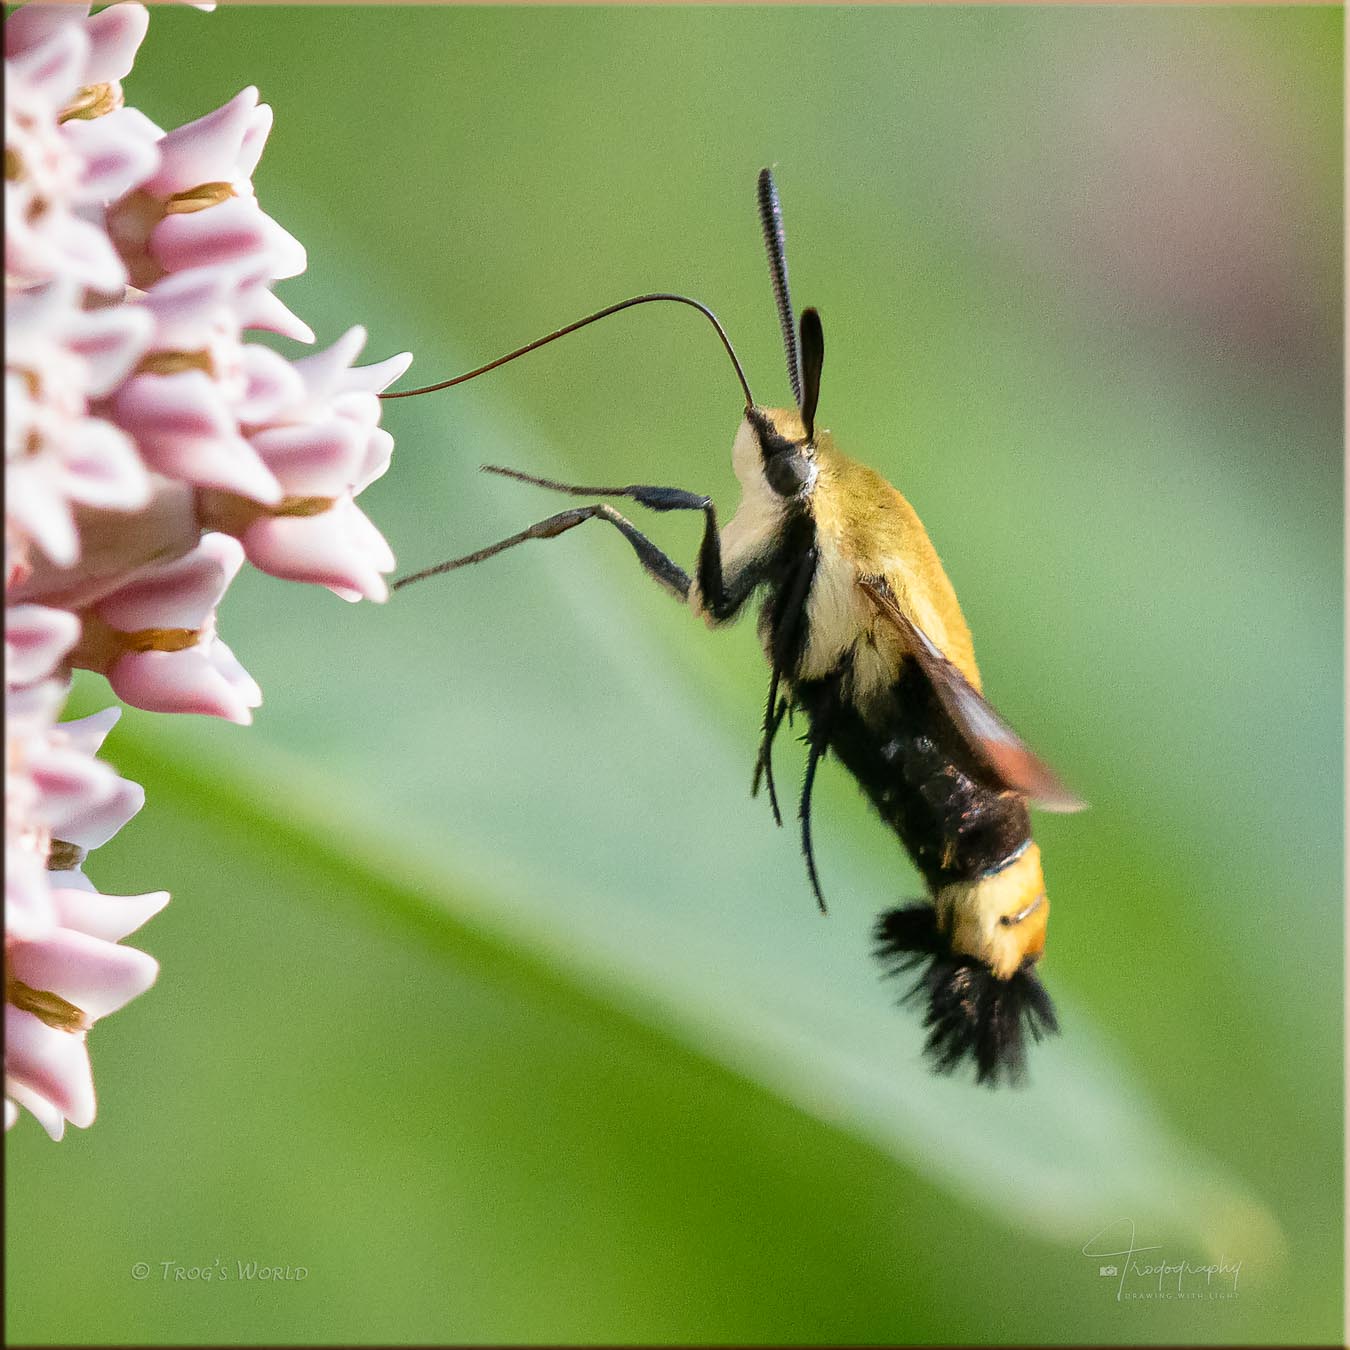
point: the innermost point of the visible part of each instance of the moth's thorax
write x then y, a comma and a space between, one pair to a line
867, 528
999, 919
863, 527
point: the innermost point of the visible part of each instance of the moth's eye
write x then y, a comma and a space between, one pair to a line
786, 473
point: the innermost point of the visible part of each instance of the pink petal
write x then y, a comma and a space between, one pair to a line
32, 711
288, 253
166, 528
265, 311
185, 428
100, 467
39, 510
12, 1114
365, 537
54, 68
36, 638
181, 594
34, 314
87, 734
84, 252
43, 1111
53, 1063
325, 371
184, 682
231, 231
270, 385
72, 879
98, 977
99, 821
111, 341
31, 25
255, 138
69, 783
228, 667
136, 124
115, 33
207, 150
116, 159
110, 917
184, 305
356, 406
378, 377
205, 306
379, 447
29, 911
313, 549
313, 459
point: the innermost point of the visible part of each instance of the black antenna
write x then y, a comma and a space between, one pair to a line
581, 323
771, 218
813, 358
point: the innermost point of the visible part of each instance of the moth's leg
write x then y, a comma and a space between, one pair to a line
719, 599
815, 753
788, 627
774, 709
664, 570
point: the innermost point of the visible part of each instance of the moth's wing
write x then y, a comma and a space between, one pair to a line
993, 741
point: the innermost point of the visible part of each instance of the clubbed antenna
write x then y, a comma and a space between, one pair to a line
771, 218
813, 358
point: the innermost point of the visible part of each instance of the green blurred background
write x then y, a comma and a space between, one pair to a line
488, 995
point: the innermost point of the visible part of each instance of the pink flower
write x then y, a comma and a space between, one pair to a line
156, 639
324, 449
55, 170
36, 638
29, 715
198, 208
36, 641
63, 967
59, 356
57, 986
185, 405
148, 448
114, 35
60, 801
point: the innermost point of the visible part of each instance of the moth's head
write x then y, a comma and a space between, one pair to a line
771, 448
977, 947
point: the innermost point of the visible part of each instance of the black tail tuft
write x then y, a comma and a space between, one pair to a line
971, 1012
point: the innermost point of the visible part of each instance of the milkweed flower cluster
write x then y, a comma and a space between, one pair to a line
150, 450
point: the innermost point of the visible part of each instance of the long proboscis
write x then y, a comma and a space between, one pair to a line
582, 323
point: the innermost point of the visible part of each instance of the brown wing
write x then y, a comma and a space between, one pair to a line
987, 734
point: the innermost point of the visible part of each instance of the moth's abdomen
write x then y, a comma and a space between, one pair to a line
920, 776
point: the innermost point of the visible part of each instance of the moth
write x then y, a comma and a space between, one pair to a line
866, 642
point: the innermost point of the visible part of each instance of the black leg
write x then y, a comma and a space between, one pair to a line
773, 719
720, 602
667, 572
815, 754
788, 626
